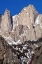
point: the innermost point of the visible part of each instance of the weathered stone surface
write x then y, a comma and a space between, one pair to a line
39, 20
38, 56
28, 15
7, 55
23, 26
38, 31
6, 24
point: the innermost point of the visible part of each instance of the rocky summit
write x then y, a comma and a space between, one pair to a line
21, 37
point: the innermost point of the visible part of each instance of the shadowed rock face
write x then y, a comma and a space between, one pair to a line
10, 53
6, 54
38, 56
0, 20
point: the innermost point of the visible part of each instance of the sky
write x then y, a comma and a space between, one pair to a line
15, 6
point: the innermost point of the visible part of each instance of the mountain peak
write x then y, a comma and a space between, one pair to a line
7, 11
31, 7
21, 35
25, 20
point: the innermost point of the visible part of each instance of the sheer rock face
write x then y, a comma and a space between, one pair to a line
15, 21
6, 24
39, 20
27, 25
38, 31
23, 33
19, 31
28, 18
28, 15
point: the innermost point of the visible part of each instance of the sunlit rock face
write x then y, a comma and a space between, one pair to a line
38, 31
28, 15
38, 24
6, 24
39, 20
27, 25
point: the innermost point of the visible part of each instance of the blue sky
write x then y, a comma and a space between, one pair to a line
15, 6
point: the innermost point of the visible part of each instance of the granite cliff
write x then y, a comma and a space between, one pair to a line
21, 35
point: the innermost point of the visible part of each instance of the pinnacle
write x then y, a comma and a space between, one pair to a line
7, 11
31, 7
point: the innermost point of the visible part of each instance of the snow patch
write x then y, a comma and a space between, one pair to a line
14, 16
24, 8
35, 45
11, 42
